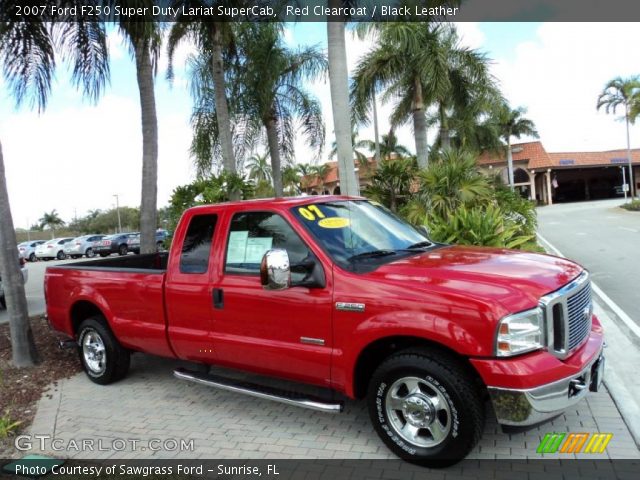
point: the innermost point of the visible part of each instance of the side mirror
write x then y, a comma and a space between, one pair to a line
275, 272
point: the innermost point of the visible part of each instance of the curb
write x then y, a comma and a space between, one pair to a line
621, 357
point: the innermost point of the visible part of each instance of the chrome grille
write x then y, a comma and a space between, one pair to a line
568, 314
579, 315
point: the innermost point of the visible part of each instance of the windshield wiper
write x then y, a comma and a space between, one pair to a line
372, 254
423, 244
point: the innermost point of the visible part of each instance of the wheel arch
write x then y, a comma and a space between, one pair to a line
373, 354
83, 309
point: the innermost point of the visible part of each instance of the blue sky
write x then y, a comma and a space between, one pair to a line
77, 155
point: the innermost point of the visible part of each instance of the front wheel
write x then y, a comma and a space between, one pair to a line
123, 250
32, 257
426, 410
90, 253
103, 358
61, 255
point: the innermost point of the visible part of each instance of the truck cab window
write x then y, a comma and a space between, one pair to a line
251, 234
196, 247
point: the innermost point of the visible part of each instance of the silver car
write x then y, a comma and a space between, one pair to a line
25, 277
52, 249
27, 250
83, 245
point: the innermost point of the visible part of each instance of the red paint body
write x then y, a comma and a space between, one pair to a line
453, 296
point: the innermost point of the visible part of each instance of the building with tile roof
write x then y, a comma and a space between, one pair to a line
549, 177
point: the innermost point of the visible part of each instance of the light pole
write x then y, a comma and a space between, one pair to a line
118, 212
624, 183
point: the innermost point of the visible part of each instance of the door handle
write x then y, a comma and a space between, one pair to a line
218, 298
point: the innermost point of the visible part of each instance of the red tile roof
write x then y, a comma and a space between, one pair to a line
332, 176
535, 156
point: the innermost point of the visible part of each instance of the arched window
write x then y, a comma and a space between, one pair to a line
520, 175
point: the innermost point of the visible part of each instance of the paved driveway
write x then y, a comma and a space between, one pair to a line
605, 239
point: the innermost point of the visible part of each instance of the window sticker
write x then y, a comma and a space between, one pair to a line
256, 248
334, 222
236, 251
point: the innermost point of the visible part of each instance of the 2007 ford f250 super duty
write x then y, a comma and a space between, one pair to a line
340, 293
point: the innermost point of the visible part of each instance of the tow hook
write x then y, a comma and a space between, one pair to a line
62, 344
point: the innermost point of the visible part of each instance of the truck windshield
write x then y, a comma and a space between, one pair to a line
354, 232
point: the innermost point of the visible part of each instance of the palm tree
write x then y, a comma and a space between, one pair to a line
144, 39
339, 83
320, 173
259, 168
51, 220
291, 180
392, 182
418, 65
623, 92
212, 39
28, 63
389, 146
271, 78
512, 123
357, 145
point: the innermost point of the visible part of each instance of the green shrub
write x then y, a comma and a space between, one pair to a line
633, 206
486, 226
8, 426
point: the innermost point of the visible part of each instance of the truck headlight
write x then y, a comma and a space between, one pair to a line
519, 333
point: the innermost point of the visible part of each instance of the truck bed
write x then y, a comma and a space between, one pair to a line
128, 291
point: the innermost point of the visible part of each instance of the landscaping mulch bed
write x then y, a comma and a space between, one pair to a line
21, 388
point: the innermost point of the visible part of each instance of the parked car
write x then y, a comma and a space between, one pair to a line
53, 249
25, 277
116, 243
27, 250
83, 245
340, 293
134, 241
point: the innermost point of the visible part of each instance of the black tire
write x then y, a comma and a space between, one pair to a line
457, 418
115, 358
123, 250
32, 257
104, 255
61, 255
90, 253
3, 302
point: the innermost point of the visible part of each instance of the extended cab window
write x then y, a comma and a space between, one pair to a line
197, 244
251, 234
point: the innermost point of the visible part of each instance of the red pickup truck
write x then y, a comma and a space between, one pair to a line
340, 293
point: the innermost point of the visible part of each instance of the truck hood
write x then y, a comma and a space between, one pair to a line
515, 279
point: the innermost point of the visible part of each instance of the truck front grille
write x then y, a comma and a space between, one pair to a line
568, 314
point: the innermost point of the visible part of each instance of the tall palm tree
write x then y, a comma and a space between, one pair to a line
512, 123
418, 65
320, 173
51, 220
28, 63
144, 39
623, 92
259, 168
360, 157
271, 77
339, 83
213, 38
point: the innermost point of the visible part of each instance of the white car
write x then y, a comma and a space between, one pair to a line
25, 277
53, 249
27, 250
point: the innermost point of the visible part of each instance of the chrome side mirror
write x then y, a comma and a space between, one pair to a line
275, 272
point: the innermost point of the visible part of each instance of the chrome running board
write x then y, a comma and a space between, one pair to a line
260, 391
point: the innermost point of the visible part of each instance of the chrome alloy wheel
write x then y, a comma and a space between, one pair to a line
418, 412
93, 352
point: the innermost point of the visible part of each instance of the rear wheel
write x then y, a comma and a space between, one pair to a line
90, 253
61, 255
425, 408
103, 358
123, 250
32, 257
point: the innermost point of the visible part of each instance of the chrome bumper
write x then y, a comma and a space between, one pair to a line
535, 405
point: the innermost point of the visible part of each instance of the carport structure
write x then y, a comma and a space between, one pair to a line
548, 177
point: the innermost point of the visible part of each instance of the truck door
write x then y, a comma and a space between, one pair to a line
285, 333
188, 290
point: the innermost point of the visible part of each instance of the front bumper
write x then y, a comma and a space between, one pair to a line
525, 407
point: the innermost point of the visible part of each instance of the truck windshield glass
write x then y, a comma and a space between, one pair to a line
357, 231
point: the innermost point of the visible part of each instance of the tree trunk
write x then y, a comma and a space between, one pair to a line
149, 199
445, 138
222, 109
632, 192
23, 348
420, 126
375, 128
510, 162
339, 82
274, 152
